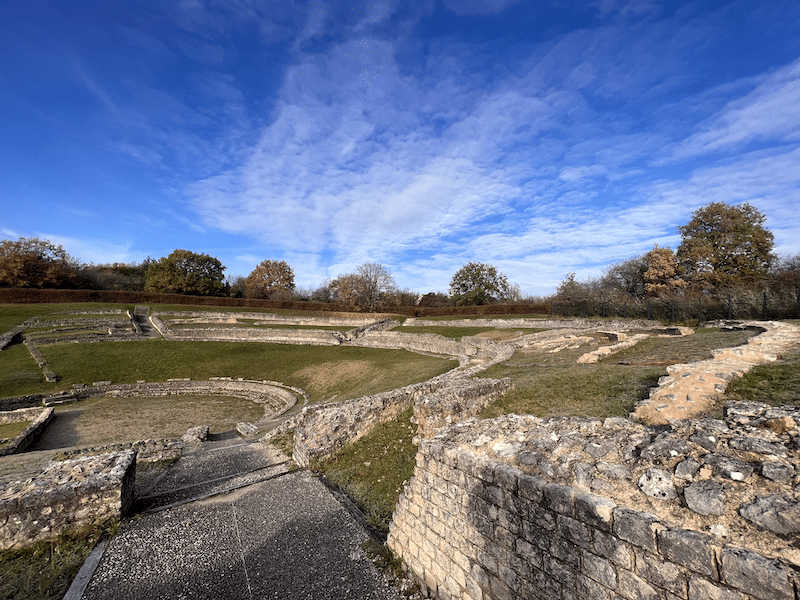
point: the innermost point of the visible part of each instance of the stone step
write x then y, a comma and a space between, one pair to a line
206, 489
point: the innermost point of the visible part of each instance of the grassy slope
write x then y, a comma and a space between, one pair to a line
159, 360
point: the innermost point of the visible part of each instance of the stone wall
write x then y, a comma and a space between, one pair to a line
456, 402
67, 495
319, 431
312, 337
9, 336
40, 360
39, 418
273, 319
574, 508
275, 400
621, 324
431, 343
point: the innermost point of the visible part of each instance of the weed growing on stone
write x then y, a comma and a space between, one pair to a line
372, 470
46, 569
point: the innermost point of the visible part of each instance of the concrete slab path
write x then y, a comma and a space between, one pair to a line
286, 537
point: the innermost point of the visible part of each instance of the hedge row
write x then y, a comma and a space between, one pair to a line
46, 296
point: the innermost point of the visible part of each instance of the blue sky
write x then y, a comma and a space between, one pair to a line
541, 137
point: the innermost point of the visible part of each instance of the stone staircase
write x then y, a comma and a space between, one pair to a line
212, 468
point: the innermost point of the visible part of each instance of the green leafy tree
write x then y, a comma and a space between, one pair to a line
478, 283
725, 245
271, 279
35, 263
184, 272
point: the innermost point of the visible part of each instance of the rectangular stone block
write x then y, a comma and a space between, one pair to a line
565, 552
483, 469
560, 498
509, 521
755, 575
531, 488
531, 554
617, 551
661, 573
559, 571
547, 586
692, 549
633, 587
595, 511
538, 536
589, 589
573, 530
636, 527
507, 476
700, 589
599, 569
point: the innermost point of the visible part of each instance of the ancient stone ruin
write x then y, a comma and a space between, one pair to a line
567, 508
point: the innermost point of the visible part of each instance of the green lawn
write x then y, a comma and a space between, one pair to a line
776, 383
548, 385
12, 315
323, 371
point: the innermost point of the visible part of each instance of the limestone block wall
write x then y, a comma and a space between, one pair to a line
269, 318
622, 324
242, 334
319, 431
429, 343
607, 510
40, 360
38, 417
275, 400
456, 402
67, 495
8, 336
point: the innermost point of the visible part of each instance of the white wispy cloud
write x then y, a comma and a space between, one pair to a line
770, 112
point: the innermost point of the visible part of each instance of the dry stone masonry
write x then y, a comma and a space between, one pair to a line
586, 509
39, 418
67, 495
687, 388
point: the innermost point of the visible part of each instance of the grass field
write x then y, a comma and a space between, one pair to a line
323, 371
8, 431
548, 385
46, 570
776, 383
100, 421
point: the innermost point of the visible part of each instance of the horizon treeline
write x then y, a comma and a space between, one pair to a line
725, 251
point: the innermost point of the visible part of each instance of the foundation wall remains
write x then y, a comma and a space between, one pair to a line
39, 418
574, 508
622, 324
320, 431
66, 496
431, 343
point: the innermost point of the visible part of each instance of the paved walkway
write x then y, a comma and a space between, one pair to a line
285, 536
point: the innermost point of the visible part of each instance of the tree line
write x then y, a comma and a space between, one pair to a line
724, 250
